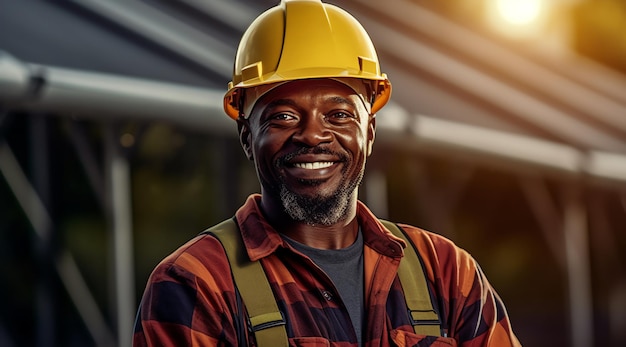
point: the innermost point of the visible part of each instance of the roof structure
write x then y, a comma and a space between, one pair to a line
439, 70
455, 92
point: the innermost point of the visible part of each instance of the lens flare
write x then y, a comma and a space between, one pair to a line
519, 12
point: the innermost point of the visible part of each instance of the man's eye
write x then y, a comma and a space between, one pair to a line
341, 115
283, 116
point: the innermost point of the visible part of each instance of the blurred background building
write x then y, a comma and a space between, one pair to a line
506, 133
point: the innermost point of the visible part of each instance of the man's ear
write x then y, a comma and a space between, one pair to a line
244, 137
371, 134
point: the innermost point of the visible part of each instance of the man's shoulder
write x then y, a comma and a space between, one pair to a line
442, 258
196, 255
419, 233
434, 244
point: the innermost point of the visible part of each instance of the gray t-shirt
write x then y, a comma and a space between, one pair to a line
345, 268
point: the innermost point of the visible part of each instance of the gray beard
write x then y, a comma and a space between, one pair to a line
317, 209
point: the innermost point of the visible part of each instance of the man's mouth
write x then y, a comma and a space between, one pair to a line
311, 161
314, 165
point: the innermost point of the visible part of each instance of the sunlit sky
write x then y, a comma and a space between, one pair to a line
520, 19
519, 12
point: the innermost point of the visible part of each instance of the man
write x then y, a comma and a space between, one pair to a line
305, 91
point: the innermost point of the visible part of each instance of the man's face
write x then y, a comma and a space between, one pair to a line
309, 140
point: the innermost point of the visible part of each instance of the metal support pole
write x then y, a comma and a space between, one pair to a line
571, 251
88, 159
578, 267
43, 246
65, 264
546, 212
119, 214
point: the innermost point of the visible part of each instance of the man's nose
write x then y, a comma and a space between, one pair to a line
313, 130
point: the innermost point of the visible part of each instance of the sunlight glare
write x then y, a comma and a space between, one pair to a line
519, 12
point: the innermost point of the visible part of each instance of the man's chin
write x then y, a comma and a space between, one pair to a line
310, 182
313, 190
314, 208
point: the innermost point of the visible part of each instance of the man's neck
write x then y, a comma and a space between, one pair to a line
339, 235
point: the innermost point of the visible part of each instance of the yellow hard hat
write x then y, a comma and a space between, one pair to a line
301, 39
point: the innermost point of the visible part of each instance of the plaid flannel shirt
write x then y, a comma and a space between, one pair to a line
190, 299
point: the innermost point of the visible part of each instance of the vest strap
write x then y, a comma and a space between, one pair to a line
267, 322
423, 316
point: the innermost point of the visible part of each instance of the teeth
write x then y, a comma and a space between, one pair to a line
315, 165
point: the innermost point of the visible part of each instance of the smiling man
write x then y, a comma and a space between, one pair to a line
310, 140
306, 88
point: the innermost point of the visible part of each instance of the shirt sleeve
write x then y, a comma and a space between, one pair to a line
482, 319
470, 309
187, 304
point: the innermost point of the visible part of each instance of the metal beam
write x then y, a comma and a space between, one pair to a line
101, 96
513, 101
606, 107
166, 31
233, 13
510, 151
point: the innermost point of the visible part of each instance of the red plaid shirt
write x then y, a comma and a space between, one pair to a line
189, 299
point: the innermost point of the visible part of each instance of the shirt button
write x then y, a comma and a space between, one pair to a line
327, 295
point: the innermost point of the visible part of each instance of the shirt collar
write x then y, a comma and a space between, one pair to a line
261, 239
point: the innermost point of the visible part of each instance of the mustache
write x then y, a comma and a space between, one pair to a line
284, 159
